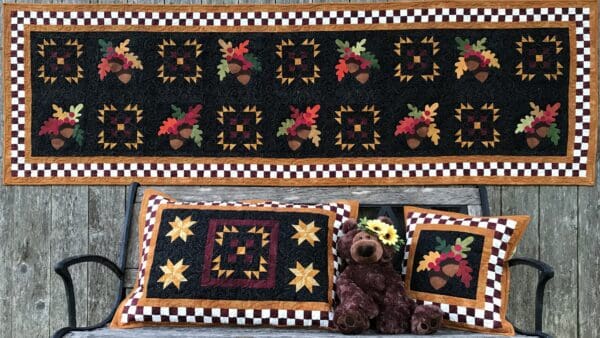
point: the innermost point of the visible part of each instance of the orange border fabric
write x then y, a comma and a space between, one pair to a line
491, 227
575, 168
201, 310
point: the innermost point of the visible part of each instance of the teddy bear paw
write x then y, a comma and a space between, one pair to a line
426, 319
350, 321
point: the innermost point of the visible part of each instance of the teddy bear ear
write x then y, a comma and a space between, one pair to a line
385, 220
349, 225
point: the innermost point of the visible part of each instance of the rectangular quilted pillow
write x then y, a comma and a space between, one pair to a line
208, 263
460, 264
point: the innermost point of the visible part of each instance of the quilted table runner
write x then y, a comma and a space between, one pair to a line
338, 94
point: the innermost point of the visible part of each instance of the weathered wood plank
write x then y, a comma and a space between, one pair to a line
523, 201
495, 199
6, 255
132, 247
6, 215
68, 237
106, 214
31, 261
558, 247
366, 195
588, 258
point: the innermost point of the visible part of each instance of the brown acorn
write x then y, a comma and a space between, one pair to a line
541, 129
362, 75
124, 75
473, 63
413, 141
482, 75
294, 142
235, 66
57, 142
243, 76
185, 131
303, 131
353, 65
422, 129
116, 65
449, 267
176, 142
66, 130
533, 140
437, 279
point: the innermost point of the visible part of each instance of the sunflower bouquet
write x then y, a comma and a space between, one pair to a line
386, 233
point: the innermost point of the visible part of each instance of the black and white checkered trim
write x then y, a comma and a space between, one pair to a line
277, 317
490, 315
577, 168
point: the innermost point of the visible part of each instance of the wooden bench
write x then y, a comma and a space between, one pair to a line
374, 201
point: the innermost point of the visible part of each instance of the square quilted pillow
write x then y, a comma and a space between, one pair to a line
460, 264
208, 263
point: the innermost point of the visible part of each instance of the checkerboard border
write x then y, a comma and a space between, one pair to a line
20, 171
134, 313
489, 316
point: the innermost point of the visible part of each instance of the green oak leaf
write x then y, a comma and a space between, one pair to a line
223, 69
196, 135
525, 122
256, 66
177, 112
284, 127
342, 45
554, 134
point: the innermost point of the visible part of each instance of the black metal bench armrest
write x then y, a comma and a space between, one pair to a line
546, 272
62, 269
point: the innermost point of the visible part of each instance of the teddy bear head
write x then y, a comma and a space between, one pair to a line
362, 246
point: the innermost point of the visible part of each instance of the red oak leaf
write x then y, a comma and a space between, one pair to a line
341, 69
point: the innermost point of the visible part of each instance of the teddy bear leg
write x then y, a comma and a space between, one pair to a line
426, 319
395, 316
350, 320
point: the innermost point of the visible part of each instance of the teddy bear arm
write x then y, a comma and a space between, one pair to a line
351, 295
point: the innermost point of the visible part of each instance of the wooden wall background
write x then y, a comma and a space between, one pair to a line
41, 225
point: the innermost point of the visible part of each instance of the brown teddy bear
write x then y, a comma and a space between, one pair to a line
371, 293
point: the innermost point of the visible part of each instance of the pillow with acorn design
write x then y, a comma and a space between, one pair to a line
460, 264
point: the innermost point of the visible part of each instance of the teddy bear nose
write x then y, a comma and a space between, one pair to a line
366, 251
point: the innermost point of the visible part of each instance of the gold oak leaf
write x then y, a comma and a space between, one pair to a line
304, 277
461, 67
173, 273
314, 135
306, 232
181, 228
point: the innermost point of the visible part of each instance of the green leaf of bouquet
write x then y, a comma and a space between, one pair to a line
554, 134
371, 58
461, 43
480, 45
525, 122
342, 45
197, 135
359, 47
255, 63
414, 111
78, 135
177, 112
284, 127
223, 69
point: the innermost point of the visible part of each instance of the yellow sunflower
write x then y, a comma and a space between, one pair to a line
377, 226
389, 237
